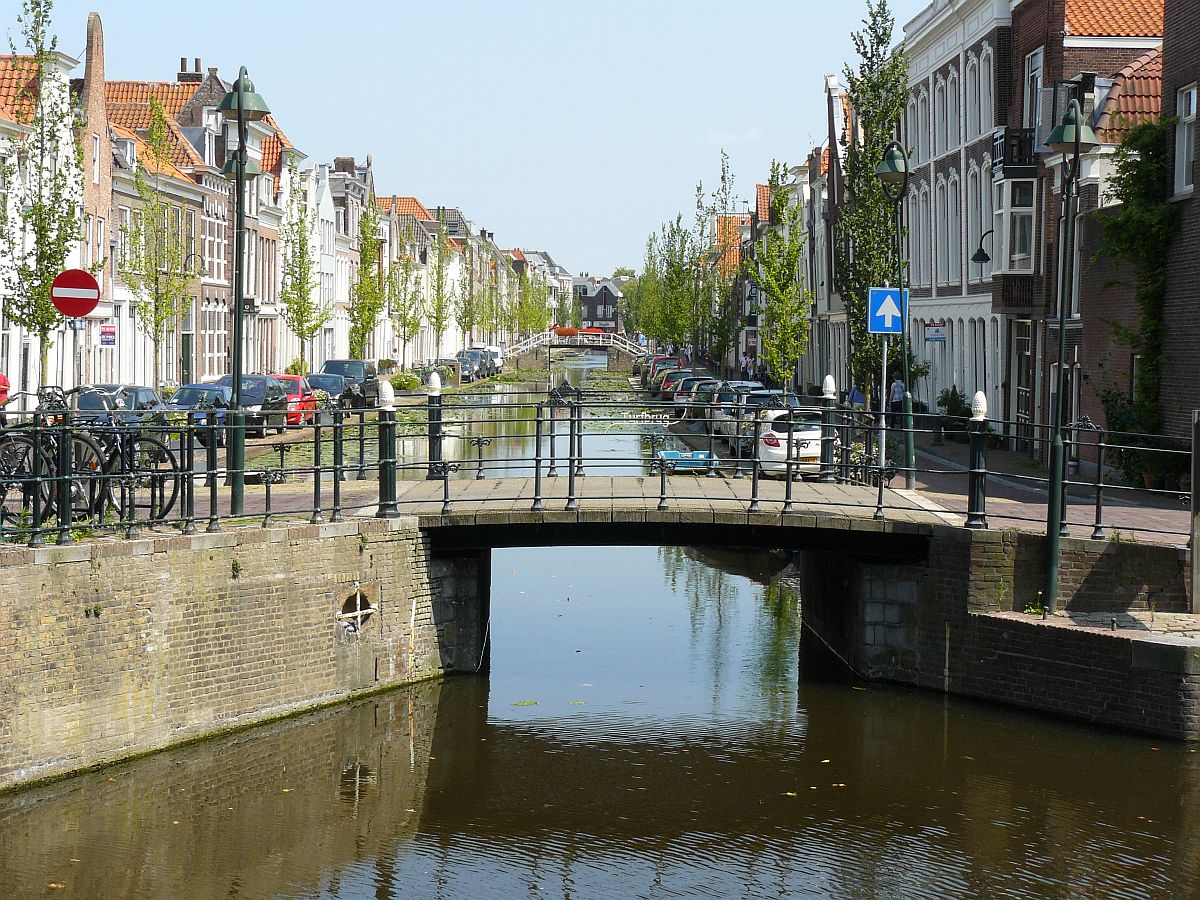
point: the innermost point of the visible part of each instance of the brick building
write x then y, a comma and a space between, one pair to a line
1060, 49
1181, 72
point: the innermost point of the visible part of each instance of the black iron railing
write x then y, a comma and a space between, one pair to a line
66, 476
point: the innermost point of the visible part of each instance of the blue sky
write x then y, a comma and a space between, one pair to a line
566, 126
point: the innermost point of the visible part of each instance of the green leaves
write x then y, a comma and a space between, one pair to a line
368, 295
300, 304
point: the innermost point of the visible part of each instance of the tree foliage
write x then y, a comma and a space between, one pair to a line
723, 270
440, 304
469, 298
300, 302
865, 233
405, 303
1143, 224
39, 225
368, 295
778, 271
157, 265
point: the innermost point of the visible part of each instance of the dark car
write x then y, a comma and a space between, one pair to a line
333, 385
264, 401
362, 380
472, 364
203, 400
123, 404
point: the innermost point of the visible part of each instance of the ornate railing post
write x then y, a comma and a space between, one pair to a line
339, 461
479, 443
828, 432
710, 422
755, 468
434, 405
977, 478
386, 424
664, 467
443, 470
214, 518
317, 517
537, 457
189, 473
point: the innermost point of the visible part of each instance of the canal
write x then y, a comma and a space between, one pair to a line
643, 732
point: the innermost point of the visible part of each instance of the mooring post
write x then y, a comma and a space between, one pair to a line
977, 477
386, 424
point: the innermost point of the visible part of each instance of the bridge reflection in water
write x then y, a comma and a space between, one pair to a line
697, 765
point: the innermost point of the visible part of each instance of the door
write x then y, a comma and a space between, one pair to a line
1023, 369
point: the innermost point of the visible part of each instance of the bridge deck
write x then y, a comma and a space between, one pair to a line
603, 498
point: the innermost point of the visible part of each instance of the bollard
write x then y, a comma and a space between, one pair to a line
735, 442
537, 458
387, 466
828, 472
755, 474
977, 479
435, 423
362, 445
316, 518
712, 440
64, 484
339, 461
189, 480
787, 464
35, 534
214, 518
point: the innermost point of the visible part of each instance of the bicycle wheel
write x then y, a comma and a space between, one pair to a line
147, 473
88, 484
16, 481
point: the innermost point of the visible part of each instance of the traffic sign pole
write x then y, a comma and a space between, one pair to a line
882, 428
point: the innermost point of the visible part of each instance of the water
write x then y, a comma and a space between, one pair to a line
643, 733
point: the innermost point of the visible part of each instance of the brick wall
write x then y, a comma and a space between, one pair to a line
1181, 375
956, 624
119, 648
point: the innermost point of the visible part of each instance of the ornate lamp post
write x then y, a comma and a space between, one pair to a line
242, 105
1072, 138
892, 171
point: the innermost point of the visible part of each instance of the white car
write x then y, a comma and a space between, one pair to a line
805, 426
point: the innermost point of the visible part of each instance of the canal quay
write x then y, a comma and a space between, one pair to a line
659, 703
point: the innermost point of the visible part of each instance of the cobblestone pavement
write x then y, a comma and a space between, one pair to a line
1183, 627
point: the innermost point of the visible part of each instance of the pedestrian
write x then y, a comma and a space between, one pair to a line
4, 386
896, 394
745, 367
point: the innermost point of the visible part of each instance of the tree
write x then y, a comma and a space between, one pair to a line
155, 265
723, 274
404, 295
300, 302
441, 297
40, 222
777, 270
467, 302
623, 272
533, 314
368, 295
864, 245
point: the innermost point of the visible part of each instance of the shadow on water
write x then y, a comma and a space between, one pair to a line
643, 733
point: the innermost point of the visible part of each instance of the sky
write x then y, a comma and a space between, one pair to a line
559, 125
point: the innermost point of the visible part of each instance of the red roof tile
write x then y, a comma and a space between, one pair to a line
146, 158
1115, 18
18, 87
762, 203
129, 107
1135, 98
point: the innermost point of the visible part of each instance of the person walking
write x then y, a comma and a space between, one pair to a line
4, 388
896, 394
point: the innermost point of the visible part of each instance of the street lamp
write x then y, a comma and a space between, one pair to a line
242, 105
980, 257
892, 172
1071, 138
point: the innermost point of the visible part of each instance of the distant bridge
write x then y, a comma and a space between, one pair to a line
580, 339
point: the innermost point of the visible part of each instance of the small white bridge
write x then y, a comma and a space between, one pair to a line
579, 339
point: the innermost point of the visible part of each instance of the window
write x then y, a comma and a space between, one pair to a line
1076, 267
939, 119
100, 255
954, 232
124, 223
910, 122
95, 159
987, 80
923, 126
1031, 114
1015, 204
941, 241
925, 262
974, 218
953, 135
1185, 140
972, 101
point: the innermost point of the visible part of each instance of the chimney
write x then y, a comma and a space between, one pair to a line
186, 76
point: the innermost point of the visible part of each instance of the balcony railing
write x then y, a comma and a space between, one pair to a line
1013, 153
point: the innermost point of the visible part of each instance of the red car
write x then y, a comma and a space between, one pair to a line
301, 401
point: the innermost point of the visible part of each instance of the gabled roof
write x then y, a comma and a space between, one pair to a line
405, 206
173, 95
18, 87
762, 201
1134, 99
515, 254
1115, 18
145, 158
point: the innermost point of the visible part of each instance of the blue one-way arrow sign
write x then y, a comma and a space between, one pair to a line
885, 310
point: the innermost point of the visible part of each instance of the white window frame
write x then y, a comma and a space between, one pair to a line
1004, 219
953, 230
939, 118
95, 159
1031, 87
953, 112
923, 125
1185, 139
974, 106
987, 83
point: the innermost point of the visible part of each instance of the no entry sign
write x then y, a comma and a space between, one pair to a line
74, 293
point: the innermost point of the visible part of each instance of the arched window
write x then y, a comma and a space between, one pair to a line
973, 220
923, 126
953, 231
924, 261
953, 133
939, 118
987, 82
987, 216
910, 122
972, 101
941, 240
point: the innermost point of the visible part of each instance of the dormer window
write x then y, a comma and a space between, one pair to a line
129, 153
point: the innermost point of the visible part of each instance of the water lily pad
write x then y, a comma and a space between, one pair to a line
526, 703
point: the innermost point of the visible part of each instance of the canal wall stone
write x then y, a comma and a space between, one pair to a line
956, 623
118, 648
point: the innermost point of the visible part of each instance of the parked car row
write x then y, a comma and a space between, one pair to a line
480, 362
